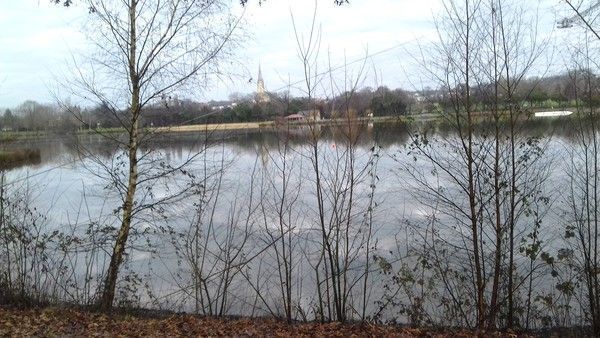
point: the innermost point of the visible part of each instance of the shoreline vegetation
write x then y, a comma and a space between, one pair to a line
13, 158
262, 125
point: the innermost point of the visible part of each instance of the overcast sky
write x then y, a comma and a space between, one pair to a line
37, 39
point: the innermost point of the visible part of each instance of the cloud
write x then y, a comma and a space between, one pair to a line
347, 33
37, 39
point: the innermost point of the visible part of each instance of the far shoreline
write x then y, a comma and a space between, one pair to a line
8, 136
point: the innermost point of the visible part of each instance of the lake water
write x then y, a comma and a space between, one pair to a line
251, 189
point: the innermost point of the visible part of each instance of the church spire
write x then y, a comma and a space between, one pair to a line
260, 79
261, 93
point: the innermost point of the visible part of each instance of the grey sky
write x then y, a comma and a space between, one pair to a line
37, 39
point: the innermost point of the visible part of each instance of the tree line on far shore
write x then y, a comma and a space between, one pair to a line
552, 92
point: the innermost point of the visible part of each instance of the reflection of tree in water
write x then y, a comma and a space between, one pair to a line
389, 134
59, 149
362, 134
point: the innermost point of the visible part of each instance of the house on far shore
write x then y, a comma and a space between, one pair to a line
305, 115
295, 117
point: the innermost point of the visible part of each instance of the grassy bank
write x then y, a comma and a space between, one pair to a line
271, 124
216, 127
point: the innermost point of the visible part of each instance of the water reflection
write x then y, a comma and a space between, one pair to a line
251, 160
61, 148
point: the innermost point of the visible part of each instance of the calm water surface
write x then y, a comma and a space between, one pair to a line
72, 188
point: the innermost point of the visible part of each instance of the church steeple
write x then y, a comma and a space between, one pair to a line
260, 79
261, 93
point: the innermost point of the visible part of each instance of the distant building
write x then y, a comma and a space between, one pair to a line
305, 115
313, 114
295, 117
261, 93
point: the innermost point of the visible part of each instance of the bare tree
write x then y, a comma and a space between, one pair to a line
281, 212
580, 255
513, 49
486, 173
216, 251
343, 219
146, 49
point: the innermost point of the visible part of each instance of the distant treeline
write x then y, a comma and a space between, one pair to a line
553, 92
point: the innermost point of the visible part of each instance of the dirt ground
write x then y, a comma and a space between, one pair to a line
60, 321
